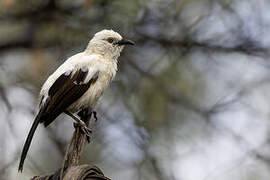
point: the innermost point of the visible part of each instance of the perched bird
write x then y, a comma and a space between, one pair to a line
78, 83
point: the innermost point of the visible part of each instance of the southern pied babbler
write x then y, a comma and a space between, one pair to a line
78, 83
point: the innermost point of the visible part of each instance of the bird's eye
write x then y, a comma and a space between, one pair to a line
110, 40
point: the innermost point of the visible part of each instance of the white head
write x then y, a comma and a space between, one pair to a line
108, 44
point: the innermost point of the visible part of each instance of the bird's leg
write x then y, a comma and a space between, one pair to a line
83, 126
85, 116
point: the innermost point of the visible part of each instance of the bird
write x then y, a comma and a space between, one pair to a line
77, 84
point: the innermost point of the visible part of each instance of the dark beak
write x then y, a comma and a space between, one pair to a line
125, 42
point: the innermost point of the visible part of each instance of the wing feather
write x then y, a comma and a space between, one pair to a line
66, 90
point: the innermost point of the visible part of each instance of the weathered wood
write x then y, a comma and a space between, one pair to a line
72, 156
82, 172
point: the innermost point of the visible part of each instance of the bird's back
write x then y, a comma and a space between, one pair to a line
66, 66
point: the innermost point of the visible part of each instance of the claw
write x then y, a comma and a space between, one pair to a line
79, 123
95, 115
87, 131
88, 139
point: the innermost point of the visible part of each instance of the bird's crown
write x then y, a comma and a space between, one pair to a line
104, 34
107, 43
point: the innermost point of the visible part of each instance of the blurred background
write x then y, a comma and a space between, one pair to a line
191, 100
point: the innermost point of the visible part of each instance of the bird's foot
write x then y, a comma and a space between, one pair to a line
79, 123
86, 130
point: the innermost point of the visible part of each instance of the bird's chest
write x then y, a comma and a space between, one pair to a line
91, 96
97, 89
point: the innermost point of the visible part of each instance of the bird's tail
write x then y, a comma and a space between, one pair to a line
28, 141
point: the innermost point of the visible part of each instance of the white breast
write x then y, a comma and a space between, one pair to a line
107, 70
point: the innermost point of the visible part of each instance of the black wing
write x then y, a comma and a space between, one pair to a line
65, 91
68, 88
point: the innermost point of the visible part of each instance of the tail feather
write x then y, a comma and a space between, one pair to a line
28, 141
